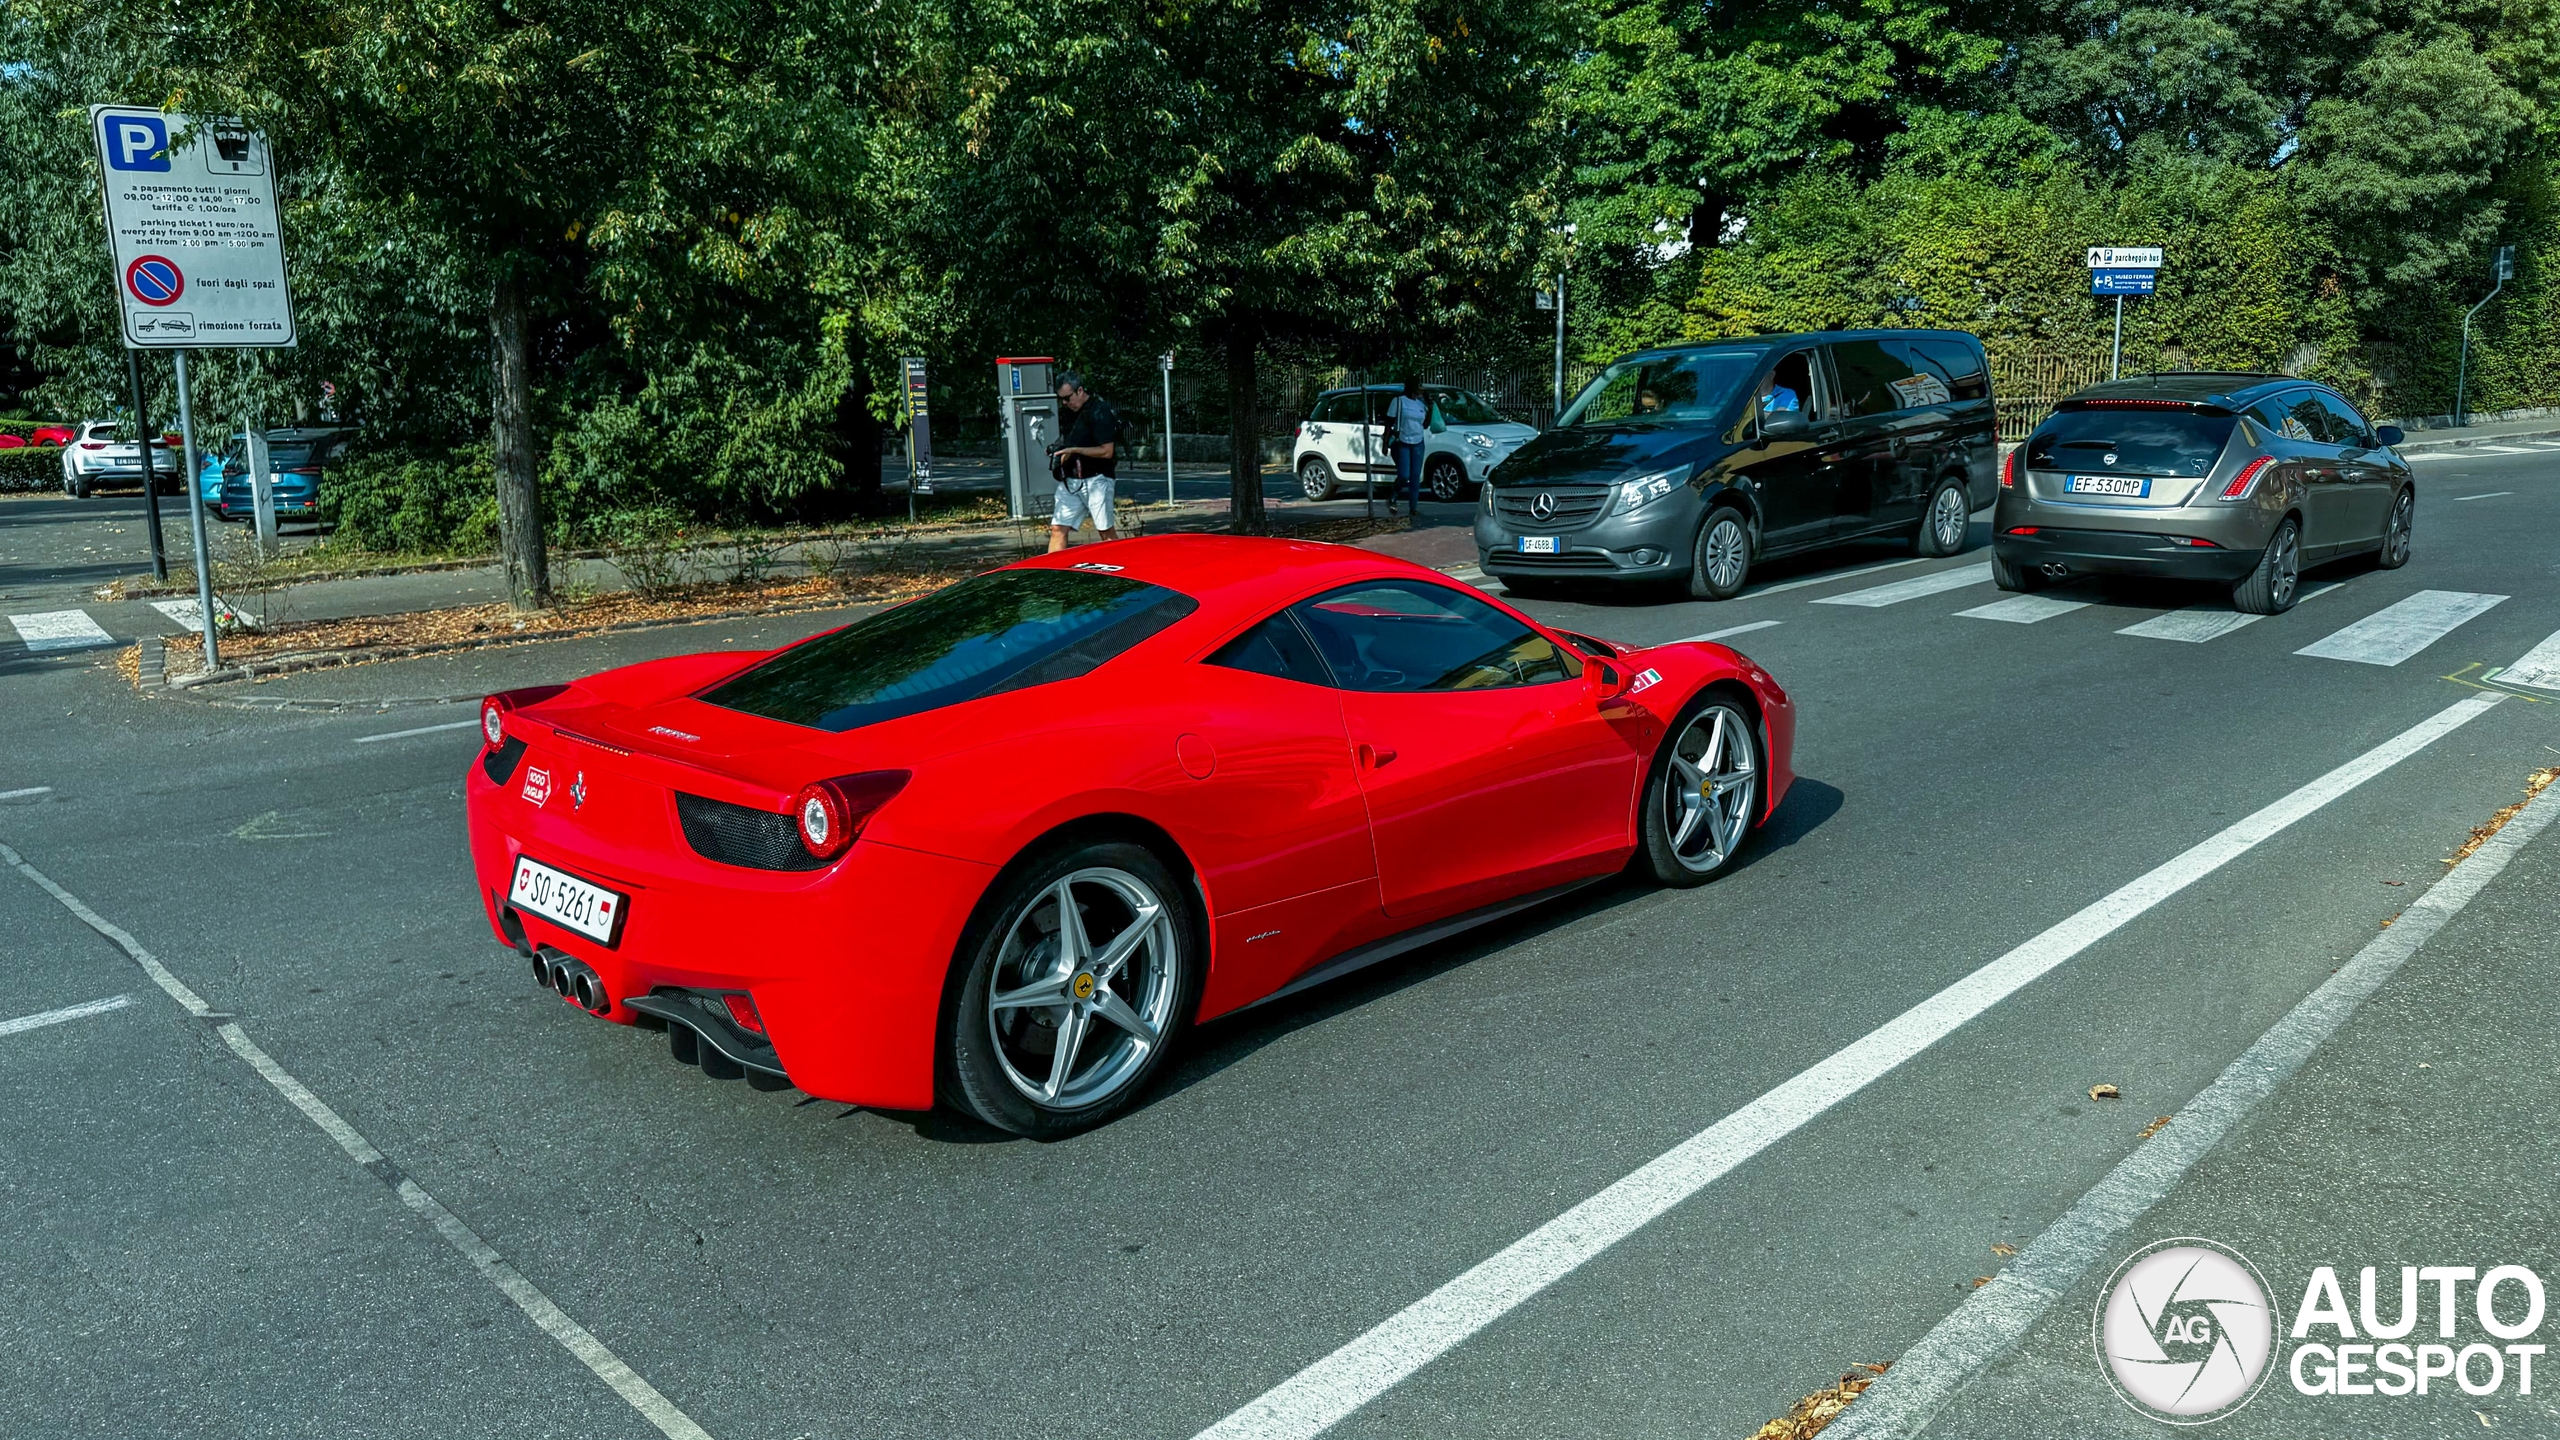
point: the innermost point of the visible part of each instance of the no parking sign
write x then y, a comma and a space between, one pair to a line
191, 220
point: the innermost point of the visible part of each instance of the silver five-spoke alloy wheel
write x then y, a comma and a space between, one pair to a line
1714, 781
1085, 988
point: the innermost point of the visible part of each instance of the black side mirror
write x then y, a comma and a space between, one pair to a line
1779, 424
2389, 435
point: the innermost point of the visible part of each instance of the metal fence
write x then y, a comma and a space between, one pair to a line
2026, 383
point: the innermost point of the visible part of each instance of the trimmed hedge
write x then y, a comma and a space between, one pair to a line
31, 467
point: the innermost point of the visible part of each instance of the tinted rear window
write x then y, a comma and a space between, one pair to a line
2129, 441
1004, 631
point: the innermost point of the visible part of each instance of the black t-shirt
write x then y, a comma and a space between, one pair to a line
1096, 424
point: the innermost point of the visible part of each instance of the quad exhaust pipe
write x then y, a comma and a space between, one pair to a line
573, 979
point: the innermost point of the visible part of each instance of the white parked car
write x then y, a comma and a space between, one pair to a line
1468, 438
102, 452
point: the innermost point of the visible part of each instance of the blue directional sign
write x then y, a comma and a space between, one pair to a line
2121, 282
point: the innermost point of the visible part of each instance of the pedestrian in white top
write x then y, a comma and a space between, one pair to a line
1409, 415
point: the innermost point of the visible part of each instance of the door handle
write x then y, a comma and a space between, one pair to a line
1373, 758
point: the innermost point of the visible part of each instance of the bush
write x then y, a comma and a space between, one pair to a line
31, 467
414, 504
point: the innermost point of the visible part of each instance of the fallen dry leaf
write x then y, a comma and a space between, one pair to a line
2002, 1247
2535, 784
1981, 1280
2395, 882
2153, 1128
2105, 1092
2387, 923
1820, 1408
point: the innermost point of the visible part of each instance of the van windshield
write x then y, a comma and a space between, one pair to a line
2129, 441
1696, 385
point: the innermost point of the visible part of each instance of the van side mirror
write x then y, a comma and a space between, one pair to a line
1779, 424
2389, 435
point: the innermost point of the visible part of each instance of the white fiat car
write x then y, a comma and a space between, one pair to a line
1335, 449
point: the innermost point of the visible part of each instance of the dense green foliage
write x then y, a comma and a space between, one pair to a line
723, 224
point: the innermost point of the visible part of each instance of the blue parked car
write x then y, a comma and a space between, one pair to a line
297, 458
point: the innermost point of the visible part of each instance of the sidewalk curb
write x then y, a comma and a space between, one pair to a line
2464, 442
181, 686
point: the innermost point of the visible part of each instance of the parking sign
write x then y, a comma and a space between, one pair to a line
199, 261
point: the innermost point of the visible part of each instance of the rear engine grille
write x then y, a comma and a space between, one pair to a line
739, 835
500, 763
1572, 508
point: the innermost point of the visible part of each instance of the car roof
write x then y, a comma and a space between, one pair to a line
1769, 342
1396, 386
1234, 575
2227, 388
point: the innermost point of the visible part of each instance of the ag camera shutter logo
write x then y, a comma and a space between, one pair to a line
2185, 1331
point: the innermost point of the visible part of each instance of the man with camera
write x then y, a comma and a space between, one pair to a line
1084, 462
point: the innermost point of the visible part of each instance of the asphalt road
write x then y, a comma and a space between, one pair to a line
190, 1255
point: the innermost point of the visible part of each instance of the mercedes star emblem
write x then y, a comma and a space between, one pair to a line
1544, 507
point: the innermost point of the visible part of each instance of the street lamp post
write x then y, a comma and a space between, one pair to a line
2506, 267
1562, 265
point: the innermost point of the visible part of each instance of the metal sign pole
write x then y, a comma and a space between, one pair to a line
2504, 267
253, 446
1558, 413
1168, 427
2115, 363
150, 467
195, 512
1368, 467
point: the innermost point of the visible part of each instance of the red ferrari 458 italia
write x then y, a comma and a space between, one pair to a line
996, 847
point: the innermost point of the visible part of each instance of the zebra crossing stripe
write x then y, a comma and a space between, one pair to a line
1917, 588
2540, 667
60, 630
2396, 632
2024, 609
2194, 625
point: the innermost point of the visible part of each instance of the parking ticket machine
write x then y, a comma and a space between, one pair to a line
1027, 408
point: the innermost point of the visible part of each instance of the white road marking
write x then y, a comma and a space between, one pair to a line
657, 1409
2540, 669
2025, 609
2426, 455
2194, 625
421, 730
1917, 587
2485, 495
2498, 450
1993, 1319
2396, 632
60, 630
1731, 630
23, 794
190, 611
1314, 1399
25, 1023
1783, 586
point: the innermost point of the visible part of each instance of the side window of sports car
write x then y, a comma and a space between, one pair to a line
1409, 635
1276, 647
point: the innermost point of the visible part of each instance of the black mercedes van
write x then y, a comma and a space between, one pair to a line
1694, 462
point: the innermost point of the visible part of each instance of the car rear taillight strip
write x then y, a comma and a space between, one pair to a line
2247, 480
2009, 469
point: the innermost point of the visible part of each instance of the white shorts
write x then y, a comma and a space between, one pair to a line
1080, 498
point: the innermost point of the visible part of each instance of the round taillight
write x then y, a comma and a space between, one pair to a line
822, 821
493, 722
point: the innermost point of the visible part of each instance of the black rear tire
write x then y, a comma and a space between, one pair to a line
2276, 583
2397, 531
2017, 579
983, 1056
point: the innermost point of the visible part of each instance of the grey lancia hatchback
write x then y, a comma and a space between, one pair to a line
1690, 464
2236, 479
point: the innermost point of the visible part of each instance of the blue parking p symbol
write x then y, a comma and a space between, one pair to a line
137, 142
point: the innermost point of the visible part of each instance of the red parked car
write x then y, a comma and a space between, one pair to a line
997, 847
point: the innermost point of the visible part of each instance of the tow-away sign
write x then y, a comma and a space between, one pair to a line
199, 262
